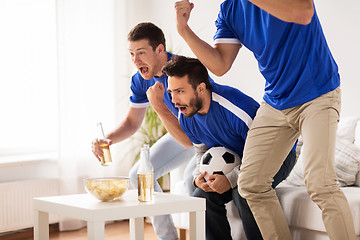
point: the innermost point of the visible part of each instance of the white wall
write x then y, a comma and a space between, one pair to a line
340, 22
94, 50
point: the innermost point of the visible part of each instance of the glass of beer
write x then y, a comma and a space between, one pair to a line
105, 147
104, 144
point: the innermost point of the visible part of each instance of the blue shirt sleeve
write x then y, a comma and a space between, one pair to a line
223, 31
137, 89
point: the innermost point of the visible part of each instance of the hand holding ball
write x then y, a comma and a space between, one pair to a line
218, 160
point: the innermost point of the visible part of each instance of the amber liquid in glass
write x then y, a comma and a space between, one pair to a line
145, 187
106, 157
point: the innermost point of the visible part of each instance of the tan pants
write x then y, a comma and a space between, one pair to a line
272, 135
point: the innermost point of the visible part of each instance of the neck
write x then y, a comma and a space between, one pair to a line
206, 100
162, 62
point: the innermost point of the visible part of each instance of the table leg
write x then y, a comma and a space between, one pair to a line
197, 225
137, 228
95, 230
41, 225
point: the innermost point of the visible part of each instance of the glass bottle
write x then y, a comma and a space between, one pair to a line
104, 144
145, 176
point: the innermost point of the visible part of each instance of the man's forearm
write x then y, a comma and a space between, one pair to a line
121, 133
129, 126
172, 125
208, 55
215, 59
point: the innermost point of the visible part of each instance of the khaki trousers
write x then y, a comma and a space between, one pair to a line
271, 137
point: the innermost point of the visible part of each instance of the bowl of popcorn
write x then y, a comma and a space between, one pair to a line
107, 188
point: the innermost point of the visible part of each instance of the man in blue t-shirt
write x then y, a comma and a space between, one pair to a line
216, 115
302, 97
148, 54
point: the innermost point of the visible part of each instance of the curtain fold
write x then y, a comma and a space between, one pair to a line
88, 76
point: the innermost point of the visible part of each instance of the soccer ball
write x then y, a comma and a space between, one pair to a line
218, 160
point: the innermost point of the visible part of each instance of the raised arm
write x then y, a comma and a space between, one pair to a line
218, 59
296, 11
155, 95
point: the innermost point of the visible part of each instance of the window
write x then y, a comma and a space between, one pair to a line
28, 76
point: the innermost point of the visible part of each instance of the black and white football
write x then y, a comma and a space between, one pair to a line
218, 160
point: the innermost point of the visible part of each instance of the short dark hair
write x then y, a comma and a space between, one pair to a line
149, 31
179, 66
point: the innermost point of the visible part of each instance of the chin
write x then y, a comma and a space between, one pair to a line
190, 115
147, 77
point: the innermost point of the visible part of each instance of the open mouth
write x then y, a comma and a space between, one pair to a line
144, 70
181, 108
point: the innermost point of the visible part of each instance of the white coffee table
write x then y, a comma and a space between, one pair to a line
95, 212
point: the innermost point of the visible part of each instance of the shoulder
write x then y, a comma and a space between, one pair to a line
170, 54
137, 78
226, 6
232, 94
230, 7
234, 100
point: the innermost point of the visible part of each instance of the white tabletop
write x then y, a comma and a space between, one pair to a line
95, 212
88, 208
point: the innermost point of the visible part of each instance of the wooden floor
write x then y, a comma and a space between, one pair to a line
113, 231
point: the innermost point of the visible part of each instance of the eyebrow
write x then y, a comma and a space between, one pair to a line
176, 89
142, 48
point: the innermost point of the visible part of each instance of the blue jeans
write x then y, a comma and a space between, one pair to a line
165, 155
217, 225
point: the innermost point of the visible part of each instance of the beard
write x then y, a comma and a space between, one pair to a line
195, 104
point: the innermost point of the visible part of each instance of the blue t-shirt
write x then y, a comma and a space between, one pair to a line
294, 59
139, 86
227, 122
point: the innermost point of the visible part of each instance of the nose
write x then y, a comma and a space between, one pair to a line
173, 98
135, 58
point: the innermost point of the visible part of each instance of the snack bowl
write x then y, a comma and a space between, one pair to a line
107, 188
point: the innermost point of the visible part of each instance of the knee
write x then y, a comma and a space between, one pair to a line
189, 184
244, 187
316, 190
199, 193
214, 201
252, 187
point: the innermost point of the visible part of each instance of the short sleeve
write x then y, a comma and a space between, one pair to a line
138, 98
224, 34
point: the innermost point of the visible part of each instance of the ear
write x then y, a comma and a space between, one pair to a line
201, 88
160, 48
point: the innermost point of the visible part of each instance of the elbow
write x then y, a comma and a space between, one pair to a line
304, 16
219, 72
305, 19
